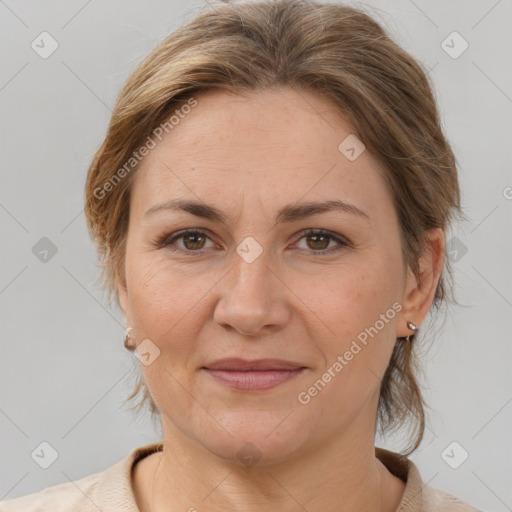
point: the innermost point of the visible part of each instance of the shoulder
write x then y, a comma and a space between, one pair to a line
417, 496
66, 496
110, 489
436, 500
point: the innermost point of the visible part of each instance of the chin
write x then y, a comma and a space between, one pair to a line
258, 437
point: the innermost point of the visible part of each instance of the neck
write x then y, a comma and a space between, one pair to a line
343, 477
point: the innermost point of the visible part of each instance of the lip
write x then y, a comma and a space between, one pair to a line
241, 365
255, 375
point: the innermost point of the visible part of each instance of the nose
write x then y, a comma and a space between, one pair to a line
253, 299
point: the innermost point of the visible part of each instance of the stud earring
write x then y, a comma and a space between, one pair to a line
129, 341
413, 327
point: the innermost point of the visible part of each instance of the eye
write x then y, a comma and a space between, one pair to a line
319, 240
192, 240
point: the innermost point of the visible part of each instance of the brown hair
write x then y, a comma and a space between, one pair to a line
332, 50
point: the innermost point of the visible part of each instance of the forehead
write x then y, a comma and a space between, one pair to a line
276, 145
276, 122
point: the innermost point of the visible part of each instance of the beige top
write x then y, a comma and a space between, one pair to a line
111, 490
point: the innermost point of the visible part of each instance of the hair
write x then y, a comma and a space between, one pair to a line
335, 51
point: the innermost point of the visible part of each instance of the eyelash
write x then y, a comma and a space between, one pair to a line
167, 241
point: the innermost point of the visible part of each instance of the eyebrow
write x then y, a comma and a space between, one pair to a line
289, 213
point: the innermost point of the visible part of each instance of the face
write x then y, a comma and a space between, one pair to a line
251, 273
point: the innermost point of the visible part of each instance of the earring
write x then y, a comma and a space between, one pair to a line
413, 327
129, 341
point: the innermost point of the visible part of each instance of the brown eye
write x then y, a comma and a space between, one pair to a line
193, 241
319, 242
186, 241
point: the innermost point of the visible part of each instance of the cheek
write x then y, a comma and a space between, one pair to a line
356, 305
165, 309
335, 301
155, 286
163, 300
350, 297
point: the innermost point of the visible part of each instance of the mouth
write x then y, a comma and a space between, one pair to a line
256, 375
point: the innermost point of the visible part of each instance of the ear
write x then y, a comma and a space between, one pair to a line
122, 292
419, 292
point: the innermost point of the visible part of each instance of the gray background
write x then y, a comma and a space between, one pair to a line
64, 371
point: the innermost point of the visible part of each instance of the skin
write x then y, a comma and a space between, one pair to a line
249, 156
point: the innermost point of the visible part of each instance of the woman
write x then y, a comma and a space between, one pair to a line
270, 205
